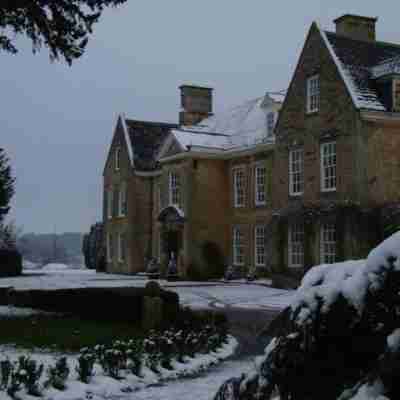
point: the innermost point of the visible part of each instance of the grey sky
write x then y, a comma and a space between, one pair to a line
56, 122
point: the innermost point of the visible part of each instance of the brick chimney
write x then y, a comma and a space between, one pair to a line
196, 104
356, 27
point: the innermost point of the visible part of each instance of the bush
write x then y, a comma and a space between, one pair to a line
85, 365
213, 260
10, 263
58, 375
28, 373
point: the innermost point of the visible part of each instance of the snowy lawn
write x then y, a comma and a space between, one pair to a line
197, 295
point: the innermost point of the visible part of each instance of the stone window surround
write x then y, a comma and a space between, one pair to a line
296, 245
174, 188
296, 171
122, 206
121, 247
109, 247
110, 197
260, 165
328, 172
239, 186
313, 94
238, 246
327, 242
117, 158
259, 244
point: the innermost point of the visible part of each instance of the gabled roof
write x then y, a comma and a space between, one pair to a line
357, 61
145, 138
243, 125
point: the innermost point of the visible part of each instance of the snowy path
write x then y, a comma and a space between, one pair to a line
201, 388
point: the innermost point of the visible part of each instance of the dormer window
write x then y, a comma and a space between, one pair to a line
117, 158
270, 123
313, 94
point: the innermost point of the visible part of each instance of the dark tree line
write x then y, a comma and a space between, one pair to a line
63, 26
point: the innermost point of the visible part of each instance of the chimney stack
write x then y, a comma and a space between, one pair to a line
356, 27
196, 104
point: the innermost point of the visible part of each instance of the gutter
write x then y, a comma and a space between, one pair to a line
221, 155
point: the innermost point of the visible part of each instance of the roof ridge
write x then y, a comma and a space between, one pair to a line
379, 42
202, 132
170, 124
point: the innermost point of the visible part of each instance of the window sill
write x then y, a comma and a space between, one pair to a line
328, 190
310, 113
296, 194
264, 204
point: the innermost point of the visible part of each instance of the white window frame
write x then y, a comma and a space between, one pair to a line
117, 158
109, 247
328, 166
271, 119
260, 251
313, 94
260, 185
174, 189
122, 207
239, 186
238, 247
110, 205
121, 247
296, 172
328, 243
296, 245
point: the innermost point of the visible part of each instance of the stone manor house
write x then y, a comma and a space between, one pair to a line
280, 183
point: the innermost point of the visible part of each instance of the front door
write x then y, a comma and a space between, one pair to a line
172, 243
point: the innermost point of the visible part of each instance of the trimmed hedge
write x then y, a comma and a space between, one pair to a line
10, 263
119, 304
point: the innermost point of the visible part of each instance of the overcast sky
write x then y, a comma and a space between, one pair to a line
56, 122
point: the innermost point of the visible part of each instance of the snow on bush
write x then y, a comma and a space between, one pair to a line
122, 367
339, 339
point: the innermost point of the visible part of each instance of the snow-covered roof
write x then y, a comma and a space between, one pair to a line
358, 63
243, 125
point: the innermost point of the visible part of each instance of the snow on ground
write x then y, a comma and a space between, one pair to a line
12, 312
104, 387
202, 388
197, 295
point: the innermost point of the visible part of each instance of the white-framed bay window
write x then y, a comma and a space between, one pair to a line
328, 242
122, 207
296, 245
121, 247
110, 252
259, 246
239, 186
238, 246
313, 94
296, 172
260, 179
174, 189
328, 166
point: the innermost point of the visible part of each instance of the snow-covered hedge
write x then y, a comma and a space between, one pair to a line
122, 367
341, 337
